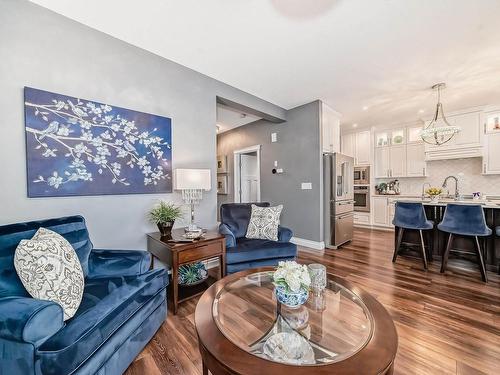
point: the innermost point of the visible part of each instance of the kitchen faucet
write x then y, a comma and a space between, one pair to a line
423, 188
457, 192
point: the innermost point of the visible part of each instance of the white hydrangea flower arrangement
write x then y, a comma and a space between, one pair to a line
292, 276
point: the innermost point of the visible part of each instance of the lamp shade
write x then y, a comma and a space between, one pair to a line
187, 179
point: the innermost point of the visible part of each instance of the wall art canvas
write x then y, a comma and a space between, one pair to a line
82, 147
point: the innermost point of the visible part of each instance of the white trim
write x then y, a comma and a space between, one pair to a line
308, 243
237, 153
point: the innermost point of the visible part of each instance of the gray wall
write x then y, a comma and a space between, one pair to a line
298, 153
41, 49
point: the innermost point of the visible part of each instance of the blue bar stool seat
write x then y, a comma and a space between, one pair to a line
411, 215
465, 220
497, 230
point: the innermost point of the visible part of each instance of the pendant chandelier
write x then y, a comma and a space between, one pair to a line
439, 130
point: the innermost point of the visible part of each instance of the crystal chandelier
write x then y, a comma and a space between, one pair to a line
438, 131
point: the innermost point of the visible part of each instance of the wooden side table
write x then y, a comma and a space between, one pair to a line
176, 254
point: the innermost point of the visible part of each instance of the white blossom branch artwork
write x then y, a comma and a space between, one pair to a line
81, 147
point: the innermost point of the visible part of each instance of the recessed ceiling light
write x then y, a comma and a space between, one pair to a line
421, 110
354, 125
365, 108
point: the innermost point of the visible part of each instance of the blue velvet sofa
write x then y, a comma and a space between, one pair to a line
123, 305
243, 253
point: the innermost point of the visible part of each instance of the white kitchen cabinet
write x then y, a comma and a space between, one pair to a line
330, 129
391, 211
390, 161
398, 137
397, 161
382, 162
357, 145
349, 144
415, 160
413, 134
382, 139
363, 147
491, 157
361, 218
466, 144
380, 211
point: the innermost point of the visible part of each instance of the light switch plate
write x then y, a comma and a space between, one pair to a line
274, 137
306, 186
276, 163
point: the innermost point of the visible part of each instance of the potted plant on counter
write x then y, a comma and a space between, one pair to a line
292, 282
164, 215
434, 193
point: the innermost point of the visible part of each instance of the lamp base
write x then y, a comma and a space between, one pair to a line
193, 228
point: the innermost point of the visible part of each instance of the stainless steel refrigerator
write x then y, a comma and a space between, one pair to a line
338, 180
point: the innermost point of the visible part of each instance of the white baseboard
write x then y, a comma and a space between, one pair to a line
308, 243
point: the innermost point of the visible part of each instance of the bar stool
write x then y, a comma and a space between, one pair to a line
411, 215
465, 220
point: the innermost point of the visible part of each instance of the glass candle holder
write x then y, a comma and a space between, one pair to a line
318, 277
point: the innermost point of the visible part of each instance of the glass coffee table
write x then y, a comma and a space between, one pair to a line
242, 329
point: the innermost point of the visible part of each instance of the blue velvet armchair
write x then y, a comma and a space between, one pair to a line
123, 305
243, 253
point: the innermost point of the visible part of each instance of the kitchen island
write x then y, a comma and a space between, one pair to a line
462, 254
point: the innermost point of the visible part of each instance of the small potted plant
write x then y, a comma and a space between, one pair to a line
434, 193
292, 282
164, 215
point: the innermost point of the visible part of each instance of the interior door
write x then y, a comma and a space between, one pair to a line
248, 178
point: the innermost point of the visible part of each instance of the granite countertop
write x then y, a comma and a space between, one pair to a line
486, 203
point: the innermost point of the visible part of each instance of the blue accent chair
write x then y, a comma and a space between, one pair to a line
411, 215
465, 220
243, 253
123, 305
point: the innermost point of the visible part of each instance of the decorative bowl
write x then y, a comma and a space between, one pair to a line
290, 348
192, 274
289, 298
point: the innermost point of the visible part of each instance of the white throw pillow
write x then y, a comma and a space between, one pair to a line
50, 270
264, 222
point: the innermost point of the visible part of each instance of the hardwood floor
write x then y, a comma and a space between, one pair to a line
447, 324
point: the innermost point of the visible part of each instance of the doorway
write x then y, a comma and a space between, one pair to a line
247, 175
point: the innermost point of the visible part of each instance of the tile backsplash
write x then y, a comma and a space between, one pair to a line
468, 171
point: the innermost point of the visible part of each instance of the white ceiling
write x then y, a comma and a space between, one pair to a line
381, 55
229, 118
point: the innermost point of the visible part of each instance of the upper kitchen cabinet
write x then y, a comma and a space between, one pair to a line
382, 164
414, 134
382, 139
491, 150
398, 137
330, 129
466, 144
349, 144
363, 147
358, 145
399, 153
415, 160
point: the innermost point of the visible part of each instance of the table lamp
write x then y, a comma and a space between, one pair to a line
192, 182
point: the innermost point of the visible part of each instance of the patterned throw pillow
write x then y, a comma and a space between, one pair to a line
50, 270
264, 222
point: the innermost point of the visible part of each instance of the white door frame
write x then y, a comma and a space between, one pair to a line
237, 176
